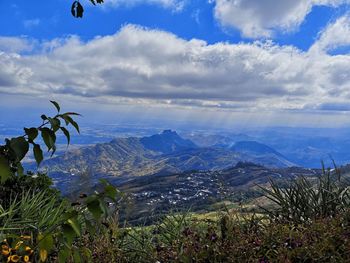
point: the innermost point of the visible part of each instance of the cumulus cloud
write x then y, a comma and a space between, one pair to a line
15, 44
262, 18
13, 75
143, 66
334, 36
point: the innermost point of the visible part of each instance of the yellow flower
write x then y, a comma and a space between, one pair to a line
26, 259
43, 255
5, 252
4, 247
29, 250
14, 258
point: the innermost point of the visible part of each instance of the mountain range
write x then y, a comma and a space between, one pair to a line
160, 154
305, 147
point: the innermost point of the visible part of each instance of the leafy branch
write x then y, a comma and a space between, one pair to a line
78, 10
15, 149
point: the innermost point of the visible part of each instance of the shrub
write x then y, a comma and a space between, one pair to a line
305, 199
180, 238
16, 186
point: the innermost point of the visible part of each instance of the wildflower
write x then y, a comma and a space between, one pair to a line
43, 255
5, 250
213, 237
26, 259
14, 258
28, 250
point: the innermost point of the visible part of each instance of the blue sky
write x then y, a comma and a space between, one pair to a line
52, 19
220, 62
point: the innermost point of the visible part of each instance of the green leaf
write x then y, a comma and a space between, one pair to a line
73, 113
20, 169
66, 133
104, 182
5, 170
49, 137
32, 133
111, 191
69, 234
69, 119
93, 2
70, 214
66, 117
90, 228
46, 242
76, 257
76, 126
103, 207
55, 123
63, 255
44, 117
95, 209
38, 154
73, 222
87, 254
56, 105
20, 146
77, 9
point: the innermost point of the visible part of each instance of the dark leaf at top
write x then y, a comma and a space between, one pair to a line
77, 9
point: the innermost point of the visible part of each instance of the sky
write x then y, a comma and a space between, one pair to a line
214, 62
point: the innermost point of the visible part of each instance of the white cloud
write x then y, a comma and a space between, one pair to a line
140, 66
261, 18
334, 36
15, 44
13, 75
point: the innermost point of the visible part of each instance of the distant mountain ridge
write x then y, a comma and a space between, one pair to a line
163, 153
265, 154
253, 147
167, 142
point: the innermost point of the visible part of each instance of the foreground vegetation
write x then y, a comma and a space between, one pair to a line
229, 237
309, 220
